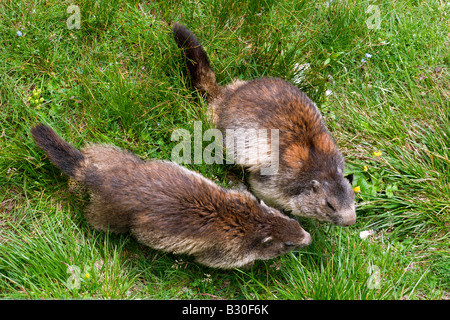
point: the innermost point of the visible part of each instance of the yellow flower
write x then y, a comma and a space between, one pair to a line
365, 168
87, 275
38, 107
377, 154
357, 189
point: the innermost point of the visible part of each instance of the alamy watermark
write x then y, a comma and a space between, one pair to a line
244, 146
74, 21
76, 276
374, 281
374, 21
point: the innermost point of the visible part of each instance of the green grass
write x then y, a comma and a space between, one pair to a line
121, 79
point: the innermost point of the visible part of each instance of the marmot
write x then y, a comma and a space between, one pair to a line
171, 208
310, 178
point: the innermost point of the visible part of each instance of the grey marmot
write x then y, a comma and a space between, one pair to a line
171, 208
310, 178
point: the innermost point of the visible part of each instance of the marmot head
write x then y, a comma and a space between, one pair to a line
328, 197
277, 235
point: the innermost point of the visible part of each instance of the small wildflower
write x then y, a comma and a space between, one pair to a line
38, 107
328, 92
377, 153
363, 60
365, 168
357, 189
41, 99
207, 279
368, 55
19, 33
87, 275
366, 233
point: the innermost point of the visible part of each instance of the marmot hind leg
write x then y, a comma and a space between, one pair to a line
102, 216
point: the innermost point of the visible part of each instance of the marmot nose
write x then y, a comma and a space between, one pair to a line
349, 221
347, 217
307, 240
300, 243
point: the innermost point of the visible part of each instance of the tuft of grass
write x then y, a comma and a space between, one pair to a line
121, 79
49, 256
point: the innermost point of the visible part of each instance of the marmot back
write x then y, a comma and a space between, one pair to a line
171, 208
310, 178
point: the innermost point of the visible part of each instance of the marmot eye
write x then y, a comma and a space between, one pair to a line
267, 241
330, 206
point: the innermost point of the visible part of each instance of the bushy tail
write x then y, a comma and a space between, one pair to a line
62, 154
202, 75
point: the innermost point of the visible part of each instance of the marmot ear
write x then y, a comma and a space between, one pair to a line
315, 185
264, 205
267, 240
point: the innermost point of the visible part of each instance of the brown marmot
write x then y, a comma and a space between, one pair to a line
310, 179
171, 208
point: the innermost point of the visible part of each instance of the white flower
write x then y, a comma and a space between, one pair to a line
363, 60
19, 33
328, 92
366, 233
368, 55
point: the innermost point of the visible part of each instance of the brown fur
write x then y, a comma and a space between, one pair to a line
310, 180
171, 208
197, 62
